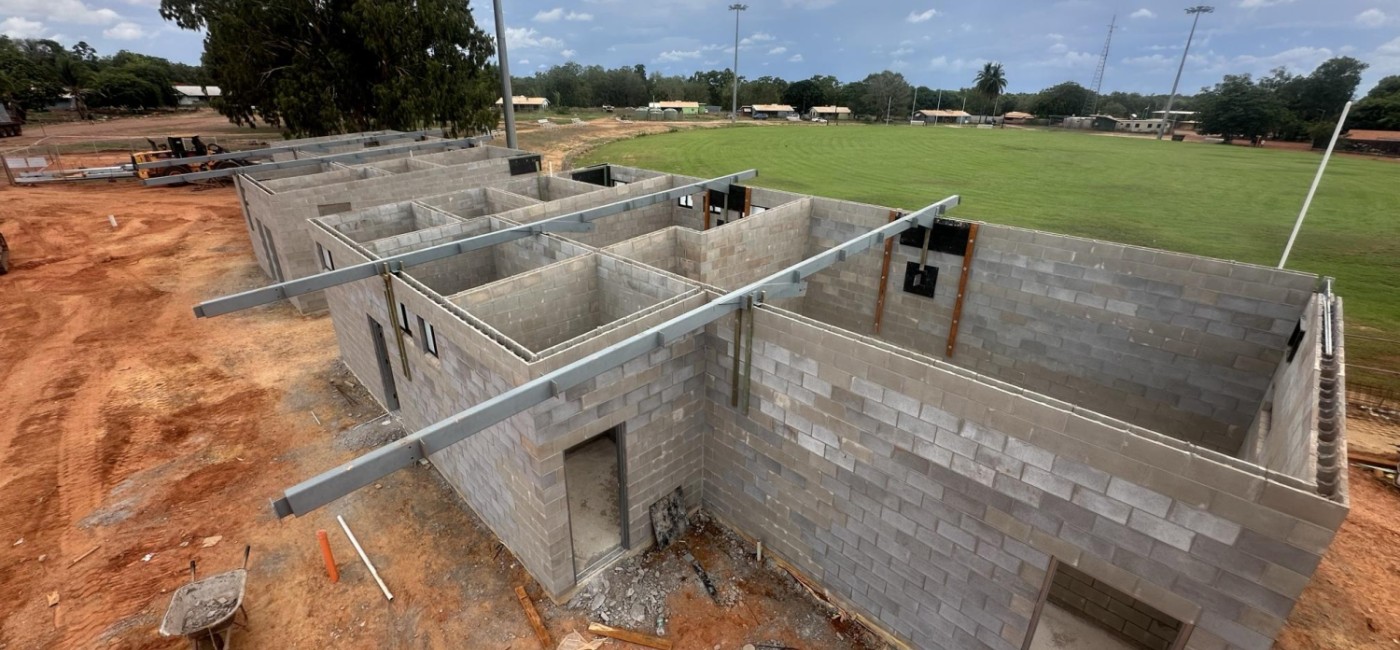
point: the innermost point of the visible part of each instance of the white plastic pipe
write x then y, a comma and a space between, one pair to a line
365, 558
1298, 225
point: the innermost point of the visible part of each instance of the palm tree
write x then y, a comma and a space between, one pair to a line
74, 75
990, 82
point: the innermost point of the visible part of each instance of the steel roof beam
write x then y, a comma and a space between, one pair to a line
268, 151
572, 222
335, 483
349, 156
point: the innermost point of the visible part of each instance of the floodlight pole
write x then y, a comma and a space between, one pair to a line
1167, 114
734, 109
1307, 203
507, 103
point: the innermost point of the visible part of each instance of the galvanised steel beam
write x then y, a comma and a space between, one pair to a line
382, 136
335, 483
349, 156
573, 221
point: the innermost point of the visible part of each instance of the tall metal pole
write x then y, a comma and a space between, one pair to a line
1167, 114
507, 100
734, 109
1307, 203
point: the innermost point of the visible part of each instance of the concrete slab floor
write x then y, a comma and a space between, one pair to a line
590, 476
1059, 629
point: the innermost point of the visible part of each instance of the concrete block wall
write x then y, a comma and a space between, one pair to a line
658, 250
1125, 616
512, 474
547, 188
541, 308
598, 197
657, 400
756, 247
479, 202
1284, 437
1180, 344
931, 498
545, 307
285, 214
492, 470
387, 221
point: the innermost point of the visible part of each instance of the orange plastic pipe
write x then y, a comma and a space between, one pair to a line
326, 555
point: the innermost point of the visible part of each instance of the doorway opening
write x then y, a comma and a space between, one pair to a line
1080, 612
594, 481
386, 372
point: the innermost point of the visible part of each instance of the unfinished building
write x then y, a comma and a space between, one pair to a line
948, 425
278, 202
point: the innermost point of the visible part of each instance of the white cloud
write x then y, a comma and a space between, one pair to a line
527, 37
954, 65
796, 58
1065, 58
568, 54
556, 14
60, 11
524, 62
16, 27
966, 27
553, 15
808, 4
777, 50
678, 55
921, 16
1372, 18
125, 31
757, 37
1143, 13
901, 52
1386, 59
1255, 4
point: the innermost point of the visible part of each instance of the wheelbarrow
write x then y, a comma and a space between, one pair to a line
205, 611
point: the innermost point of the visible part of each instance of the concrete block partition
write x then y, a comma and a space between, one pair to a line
277, 210
931, 498
1180, 344
512, 473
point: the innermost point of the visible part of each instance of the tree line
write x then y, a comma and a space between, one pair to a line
572, 85
1288, 106
38, 73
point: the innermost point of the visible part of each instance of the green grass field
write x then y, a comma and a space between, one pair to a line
1236, 203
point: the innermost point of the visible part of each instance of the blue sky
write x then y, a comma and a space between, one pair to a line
932, 43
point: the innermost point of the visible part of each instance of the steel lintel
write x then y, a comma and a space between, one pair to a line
349, 156
566, 222
381, 136
340, 481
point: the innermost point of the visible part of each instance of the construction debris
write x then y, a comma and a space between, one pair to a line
630, 636
535, 621
574, 641
89, 552
704, 577
365, 558
668, 518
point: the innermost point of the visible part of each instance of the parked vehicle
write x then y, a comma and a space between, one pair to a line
760, 116
9, 127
